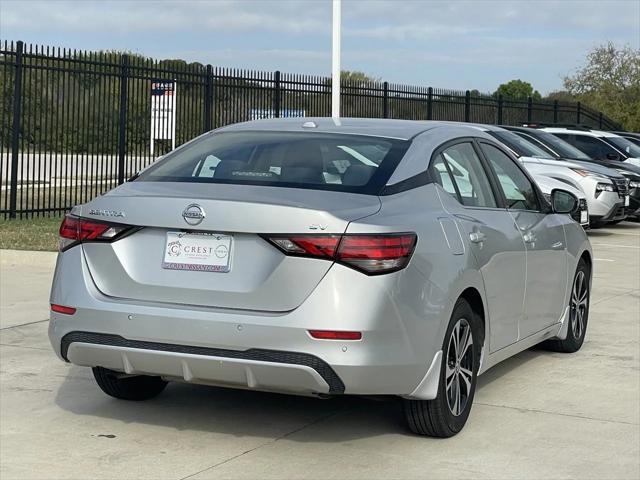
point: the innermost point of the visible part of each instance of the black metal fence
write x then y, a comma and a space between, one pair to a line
75, 124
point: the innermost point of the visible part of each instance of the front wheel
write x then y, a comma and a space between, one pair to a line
578, 312
445, 415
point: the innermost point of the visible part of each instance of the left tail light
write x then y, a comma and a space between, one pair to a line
372, 254
75, 230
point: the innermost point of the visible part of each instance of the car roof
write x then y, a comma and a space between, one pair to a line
378, 127
575, 131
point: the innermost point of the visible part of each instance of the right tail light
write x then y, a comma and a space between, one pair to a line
372, 254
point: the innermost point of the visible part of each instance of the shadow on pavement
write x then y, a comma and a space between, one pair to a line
250, 413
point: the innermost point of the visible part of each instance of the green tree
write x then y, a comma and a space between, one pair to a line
517, 90
610, 81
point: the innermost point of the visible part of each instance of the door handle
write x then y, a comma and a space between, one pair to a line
557, 246
477, 237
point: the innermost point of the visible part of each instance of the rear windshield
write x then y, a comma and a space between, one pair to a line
319, 161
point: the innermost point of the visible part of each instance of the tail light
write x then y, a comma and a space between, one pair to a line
75, 230
372, 254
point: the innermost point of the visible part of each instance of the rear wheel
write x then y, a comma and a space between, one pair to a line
139, 387
448, 412
578, 313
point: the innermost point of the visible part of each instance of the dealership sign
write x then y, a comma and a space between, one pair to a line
163, 111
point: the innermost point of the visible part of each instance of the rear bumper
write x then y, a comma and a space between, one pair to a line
270, 351
255, 368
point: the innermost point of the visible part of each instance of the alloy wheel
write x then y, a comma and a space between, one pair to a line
459, 367
579, 304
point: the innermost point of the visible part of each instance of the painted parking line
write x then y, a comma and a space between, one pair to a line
603, 260
614, 245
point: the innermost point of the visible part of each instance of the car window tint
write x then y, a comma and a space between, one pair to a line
592, 146
518, 190
322, 161
469, 176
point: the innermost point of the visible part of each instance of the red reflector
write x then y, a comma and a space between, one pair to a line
63, 309
335, 335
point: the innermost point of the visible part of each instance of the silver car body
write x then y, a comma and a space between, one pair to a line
249, 328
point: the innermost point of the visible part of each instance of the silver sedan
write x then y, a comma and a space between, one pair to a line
322, 257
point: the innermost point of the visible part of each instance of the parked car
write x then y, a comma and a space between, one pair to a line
322, 258
606, 190
599, 144
632, 137
561, 150
548, 184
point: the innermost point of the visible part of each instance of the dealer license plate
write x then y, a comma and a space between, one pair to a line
584, 216
205, 252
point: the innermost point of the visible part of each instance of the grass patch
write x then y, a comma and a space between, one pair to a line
30, 234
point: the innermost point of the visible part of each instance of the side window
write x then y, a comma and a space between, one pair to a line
593, 147
442, 177
517, 188
468, 177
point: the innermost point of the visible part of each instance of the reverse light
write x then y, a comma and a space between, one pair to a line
371, 254
74, 230
62, 309
335, 335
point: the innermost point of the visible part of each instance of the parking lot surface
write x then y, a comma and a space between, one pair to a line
536, 415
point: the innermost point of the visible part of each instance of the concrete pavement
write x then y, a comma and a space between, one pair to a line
537, 415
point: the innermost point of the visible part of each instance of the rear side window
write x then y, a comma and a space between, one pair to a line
459, 171
350, 163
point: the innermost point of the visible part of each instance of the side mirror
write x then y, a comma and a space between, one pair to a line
563, 201
613, 156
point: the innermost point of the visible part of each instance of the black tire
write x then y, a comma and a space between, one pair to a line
578, 315
436, 418
139, 387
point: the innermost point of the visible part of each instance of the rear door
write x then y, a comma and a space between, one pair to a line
544, 239
491, 232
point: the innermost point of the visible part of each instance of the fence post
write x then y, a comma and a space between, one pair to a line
122, 120
15, 134
555, 111
529, 109
208, 97
467, 106
276, 94
430, 104
385, 98
579, 113
500, 107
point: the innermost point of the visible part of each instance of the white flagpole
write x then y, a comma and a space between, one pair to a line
335, 81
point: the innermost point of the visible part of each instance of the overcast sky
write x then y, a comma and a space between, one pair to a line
450, 44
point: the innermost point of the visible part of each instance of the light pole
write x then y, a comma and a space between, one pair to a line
335, 60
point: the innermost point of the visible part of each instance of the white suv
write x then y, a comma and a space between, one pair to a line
598, 144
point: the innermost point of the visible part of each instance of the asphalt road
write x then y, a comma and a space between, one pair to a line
537, 415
